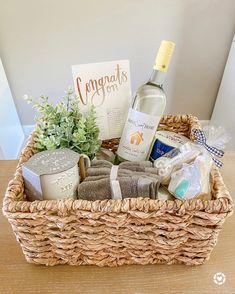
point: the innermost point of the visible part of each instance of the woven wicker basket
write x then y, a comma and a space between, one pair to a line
117, 232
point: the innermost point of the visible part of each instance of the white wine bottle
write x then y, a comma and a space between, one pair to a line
147, 109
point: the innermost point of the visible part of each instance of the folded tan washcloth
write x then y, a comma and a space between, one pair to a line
135, 179
103, 167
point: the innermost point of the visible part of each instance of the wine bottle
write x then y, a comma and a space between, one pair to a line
148, 107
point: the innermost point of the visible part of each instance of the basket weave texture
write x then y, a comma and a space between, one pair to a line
117, 232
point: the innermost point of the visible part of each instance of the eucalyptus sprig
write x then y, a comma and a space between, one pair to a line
64, 126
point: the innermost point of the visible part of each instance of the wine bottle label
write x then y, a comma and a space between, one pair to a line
137, 135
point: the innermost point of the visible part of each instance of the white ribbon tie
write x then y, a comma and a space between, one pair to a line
114, 183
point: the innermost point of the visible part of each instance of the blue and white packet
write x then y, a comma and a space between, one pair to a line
166, 141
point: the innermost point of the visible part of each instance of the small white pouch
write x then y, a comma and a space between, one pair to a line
192, 179
174, 159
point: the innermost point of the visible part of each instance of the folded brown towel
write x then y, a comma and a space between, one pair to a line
103, 167
135, 179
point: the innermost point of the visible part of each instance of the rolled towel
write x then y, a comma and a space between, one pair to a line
133, 180
103, 167
131, 187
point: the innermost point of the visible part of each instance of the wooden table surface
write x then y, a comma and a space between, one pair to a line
17, 276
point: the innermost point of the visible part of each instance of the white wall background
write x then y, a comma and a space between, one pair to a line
11, 132
40, 40
223, 113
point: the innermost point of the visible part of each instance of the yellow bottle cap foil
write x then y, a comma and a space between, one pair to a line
164, 56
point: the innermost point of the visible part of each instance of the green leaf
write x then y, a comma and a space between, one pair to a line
63, 125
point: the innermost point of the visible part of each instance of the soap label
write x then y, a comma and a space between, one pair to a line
165, 142
137, 135
159, 149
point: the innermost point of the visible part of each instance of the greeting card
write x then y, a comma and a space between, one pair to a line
107, 86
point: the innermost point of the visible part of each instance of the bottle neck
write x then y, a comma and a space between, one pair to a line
157, 78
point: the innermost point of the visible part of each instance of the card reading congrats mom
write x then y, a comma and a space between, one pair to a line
107, 86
